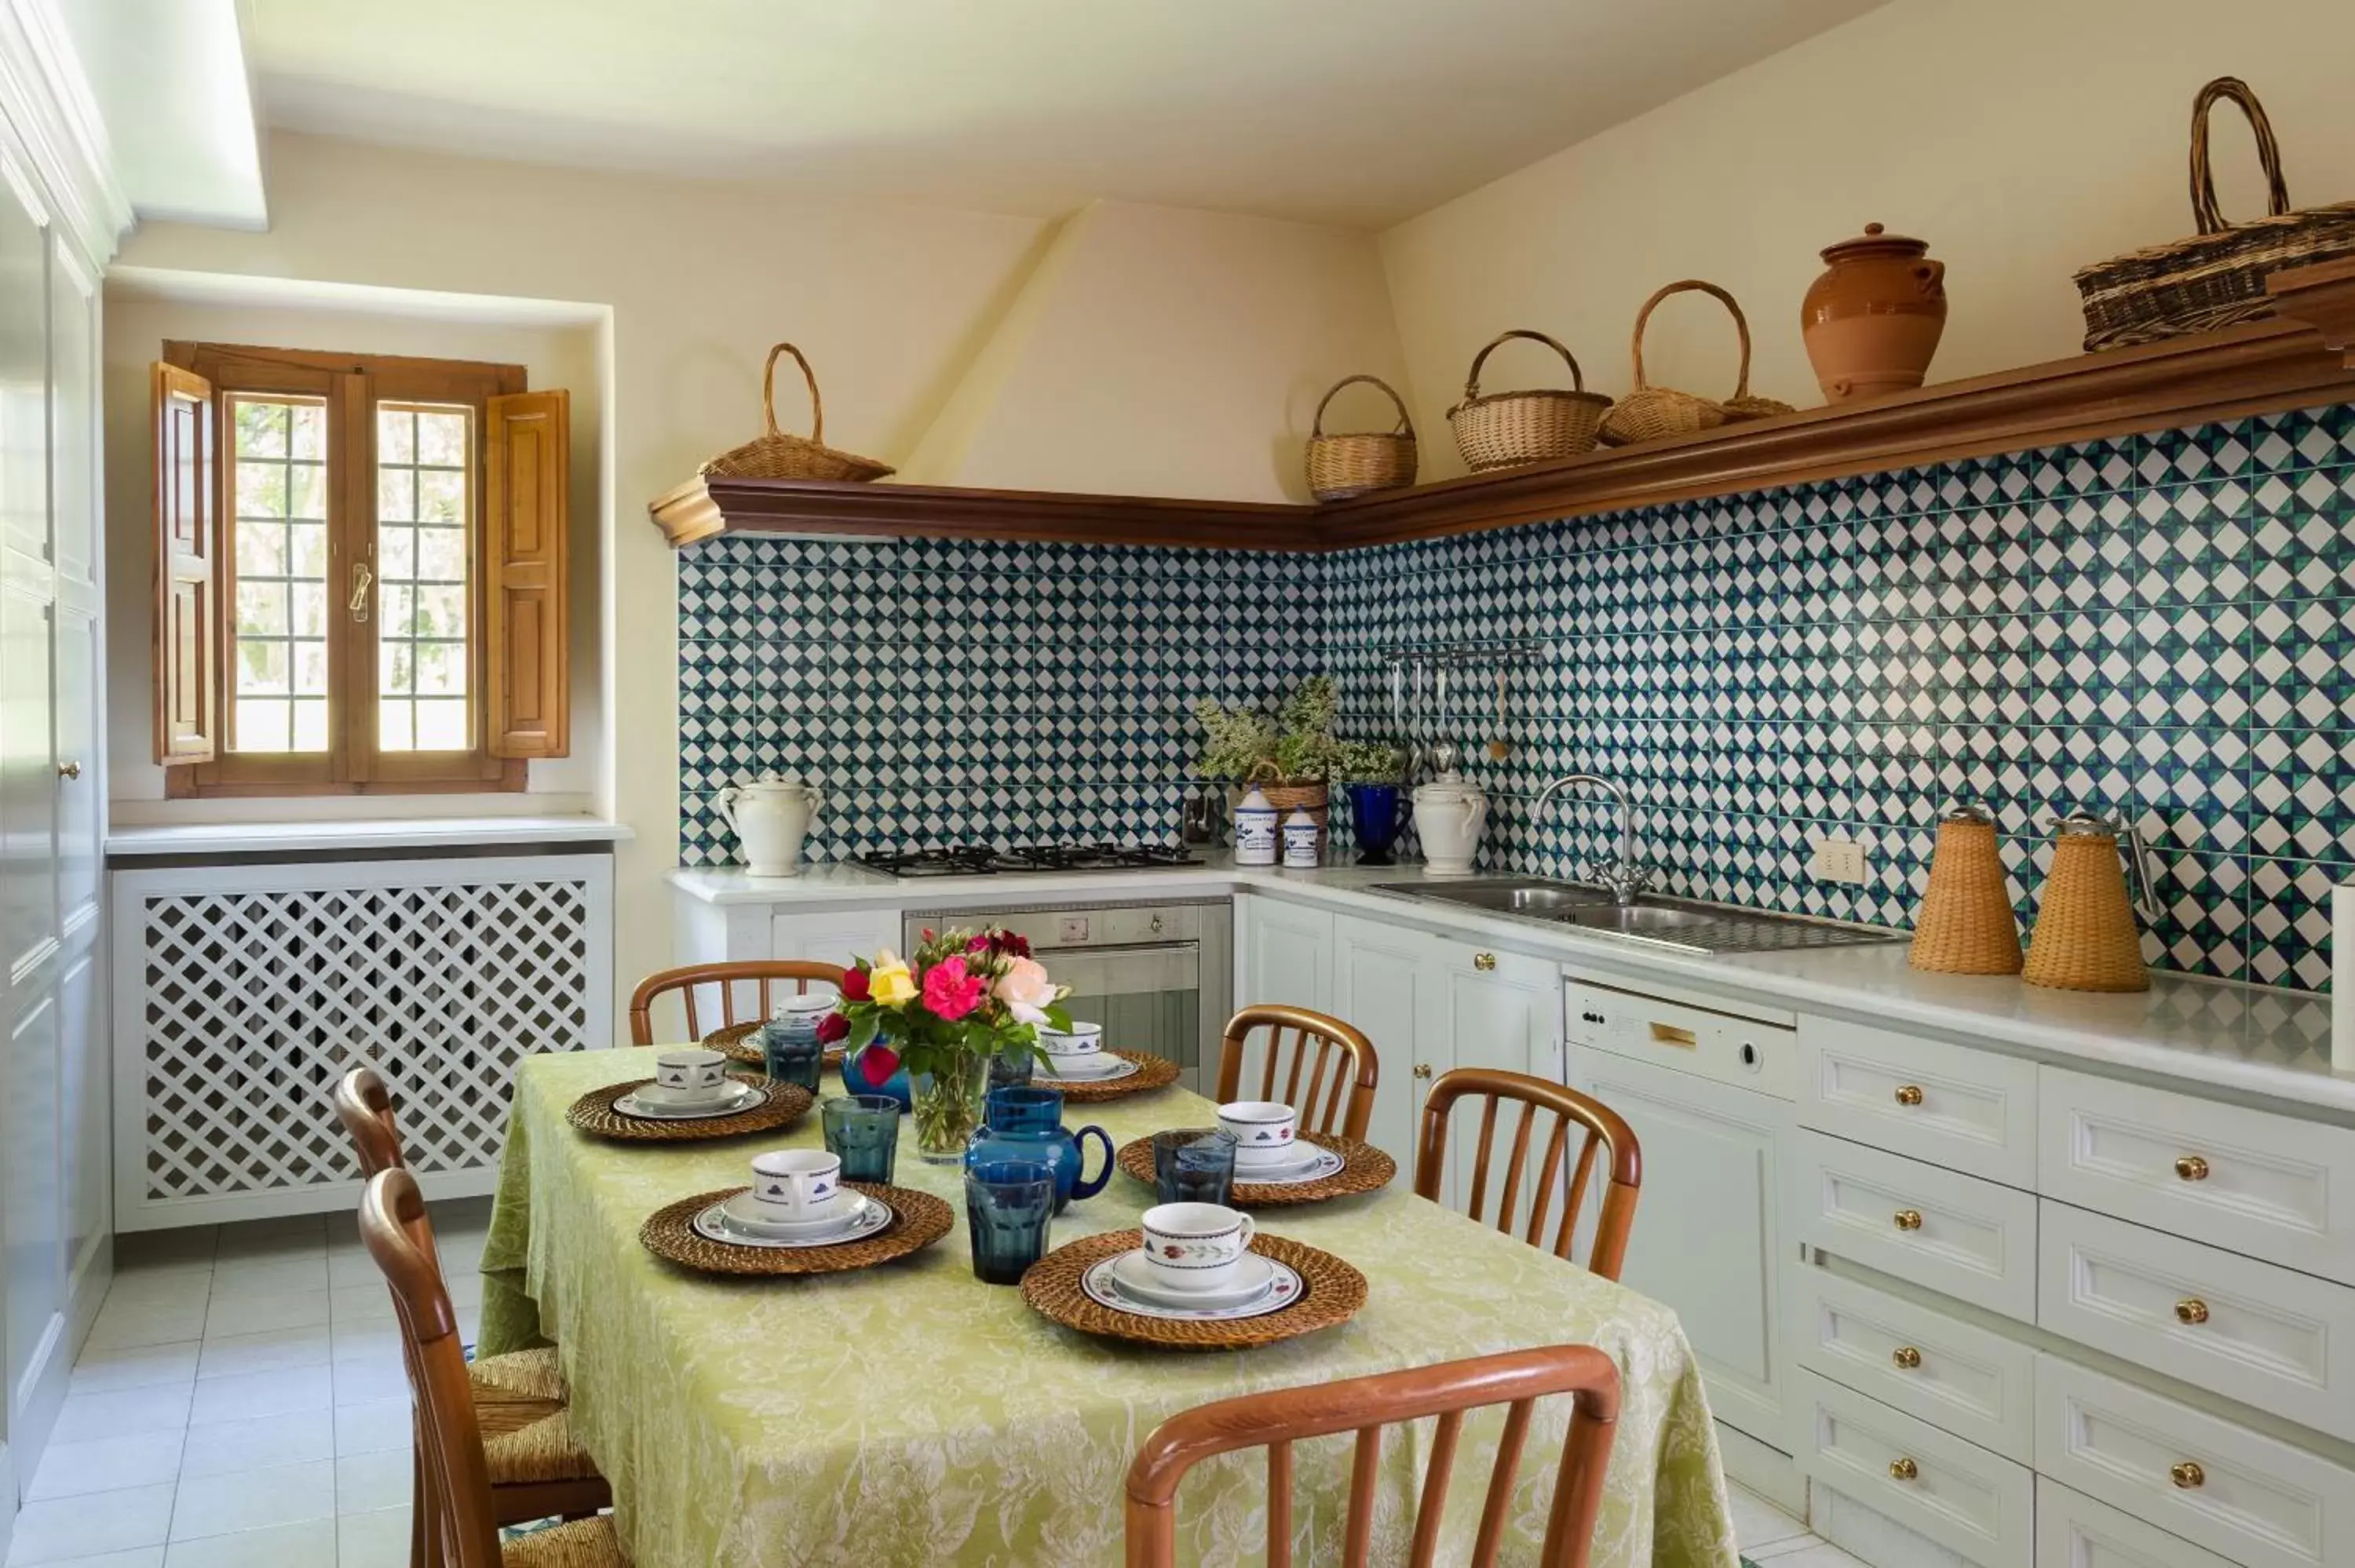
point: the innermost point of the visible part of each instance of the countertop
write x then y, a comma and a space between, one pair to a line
2252, 1041
413, 833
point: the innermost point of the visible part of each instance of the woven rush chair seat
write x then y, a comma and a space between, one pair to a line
519, 1399
586, 1544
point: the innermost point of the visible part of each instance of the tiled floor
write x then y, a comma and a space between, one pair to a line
1773, 1539
240, 1404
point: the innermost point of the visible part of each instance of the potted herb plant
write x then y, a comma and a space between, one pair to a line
1290, 755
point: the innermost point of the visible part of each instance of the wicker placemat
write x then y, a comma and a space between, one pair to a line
593, 1114
918, 1220
1365, 1169
1330, 1292
1152, 1073
736, 1044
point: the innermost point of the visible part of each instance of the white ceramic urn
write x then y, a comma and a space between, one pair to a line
1449, 813
772, 816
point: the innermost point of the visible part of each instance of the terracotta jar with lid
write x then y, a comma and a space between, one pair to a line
1873, 320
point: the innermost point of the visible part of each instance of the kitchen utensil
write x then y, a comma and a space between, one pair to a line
1505, 429
1260, 1128
1025, 1126
1345, 465
798, 1185
1965, 925
1500, 748
2086, 936
769, 816
1873, 319
1449, 814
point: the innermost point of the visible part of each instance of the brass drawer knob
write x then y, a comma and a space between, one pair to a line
1904, 1470
1484, 962
2191, 1309
1423, 1069
1909, 1094
1906, 1358
1909, 1219
2187, 1475
2191, 1168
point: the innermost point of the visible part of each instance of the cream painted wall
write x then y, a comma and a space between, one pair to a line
2022, 138
137, 326
1160, 350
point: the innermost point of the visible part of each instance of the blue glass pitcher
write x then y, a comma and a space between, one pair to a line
1027, 1124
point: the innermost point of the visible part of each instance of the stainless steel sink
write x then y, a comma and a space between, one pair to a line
1655, 919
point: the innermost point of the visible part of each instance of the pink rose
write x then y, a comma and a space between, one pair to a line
950, 992
1025, 990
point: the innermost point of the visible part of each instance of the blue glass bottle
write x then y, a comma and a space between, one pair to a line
1027, 1124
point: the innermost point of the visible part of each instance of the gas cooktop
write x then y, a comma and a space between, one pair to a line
981, 859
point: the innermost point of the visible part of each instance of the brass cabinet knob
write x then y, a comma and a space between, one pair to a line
1904, 1469
2191, 1168
1423, 1069
70, 770
1906, 1358
2187, 1474
1909, 1219
2191, 1309
1484, 962
1909, 1094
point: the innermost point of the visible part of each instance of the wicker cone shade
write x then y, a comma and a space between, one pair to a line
2086, 936
1966, 925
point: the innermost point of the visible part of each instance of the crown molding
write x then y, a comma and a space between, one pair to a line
47, 102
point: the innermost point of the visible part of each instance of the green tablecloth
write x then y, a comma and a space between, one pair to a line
910, 1415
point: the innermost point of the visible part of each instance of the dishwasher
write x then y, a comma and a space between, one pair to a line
1158, 977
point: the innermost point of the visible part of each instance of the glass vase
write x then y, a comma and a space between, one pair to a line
948, 1107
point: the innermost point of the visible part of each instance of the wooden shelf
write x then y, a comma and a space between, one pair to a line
2303, 358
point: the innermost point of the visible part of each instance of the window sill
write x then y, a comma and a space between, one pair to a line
131, 842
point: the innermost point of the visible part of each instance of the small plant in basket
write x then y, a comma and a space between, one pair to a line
960, 998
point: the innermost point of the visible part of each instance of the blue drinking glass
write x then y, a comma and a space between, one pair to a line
1374, 811
1008, 1205
1012, 1069
863, 1132
1194, 1165
792, 1051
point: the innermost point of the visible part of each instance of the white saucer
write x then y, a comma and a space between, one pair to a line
744, 1213
1135, 1275
740, 1097
1103, 1283
1115, 1067
1308, 1163
719, 1223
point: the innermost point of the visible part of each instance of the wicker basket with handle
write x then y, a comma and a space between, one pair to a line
1650, 413
2217, 277
775, 455
1345, 465
1505, 429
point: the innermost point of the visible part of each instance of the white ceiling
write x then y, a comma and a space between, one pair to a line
1351, 111
169, 79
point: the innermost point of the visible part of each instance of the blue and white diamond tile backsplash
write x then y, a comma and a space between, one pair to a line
2163, 625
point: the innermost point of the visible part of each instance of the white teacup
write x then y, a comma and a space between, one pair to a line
1078, 1046
803, 1010
798, 1185
1263, 1129
1195, 1246
691, 1074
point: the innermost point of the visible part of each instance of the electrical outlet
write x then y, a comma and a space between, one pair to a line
1837, 858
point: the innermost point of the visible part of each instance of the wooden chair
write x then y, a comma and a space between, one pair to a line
1365, 1406
1604, 1130
537, 1467
457, 1467
1323, 1048
727, 977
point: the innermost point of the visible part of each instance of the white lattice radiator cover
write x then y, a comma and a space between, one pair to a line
243, 992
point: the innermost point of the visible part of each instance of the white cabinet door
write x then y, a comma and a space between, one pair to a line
1384, 983
1707, 1233
1285, 954
1498, 1010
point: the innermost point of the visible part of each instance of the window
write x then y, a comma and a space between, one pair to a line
376, 570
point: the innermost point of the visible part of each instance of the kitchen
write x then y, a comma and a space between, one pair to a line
1144, 495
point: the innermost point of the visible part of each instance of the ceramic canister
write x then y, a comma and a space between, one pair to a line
1300, 835
1254, 829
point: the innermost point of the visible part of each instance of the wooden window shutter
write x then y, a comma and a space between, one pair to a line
187, 631
528, 451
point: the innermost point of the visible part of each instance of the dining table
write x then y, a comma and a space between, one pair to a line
908, 1413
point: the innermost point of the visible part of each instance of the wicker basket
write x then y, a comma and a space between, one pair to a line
1650, 413
1966, 925
1313, 799
1343, 466
2085, 938
1506, 429
775, 455
2217, 277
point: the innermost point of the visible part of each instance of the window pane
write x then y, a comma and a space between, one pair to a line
424, 475
279, 447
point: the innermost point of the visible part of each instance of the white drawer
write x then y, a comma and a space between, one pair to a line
1974, 1503
1969, 1238
1952, 1374
2271, 1186
2269, 1337
1731, 1048
1968, 1110
2253, 1499
2073, 1530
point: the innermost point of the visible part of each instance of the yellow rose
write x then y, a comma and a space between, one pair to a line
891, 984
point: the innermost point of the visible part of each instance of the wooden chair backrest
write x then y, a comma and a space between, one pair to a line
1327, 1057
1603, 1132
1281, 1417
398, 1234
687, 982
364, 1103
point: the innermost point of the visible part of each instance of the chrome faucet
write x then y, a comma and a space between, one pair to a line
1626, 877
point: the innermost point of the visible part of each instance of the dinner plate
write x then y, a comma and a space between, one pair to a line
714, 1224
1306, 1162
1101, 1284
1133, 1275
744, 1098
1120, 1068
743, 1214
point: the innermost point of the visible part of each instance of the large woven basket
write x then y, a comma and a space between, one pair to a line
1966, 925
1650, 413
1346, 465
2086, 936
2217, 277
775, 455
1506, 429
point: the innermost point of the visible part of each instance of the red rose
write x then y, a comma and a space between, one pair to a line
876, 1064
1012, 942
854, 985
833, 1027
